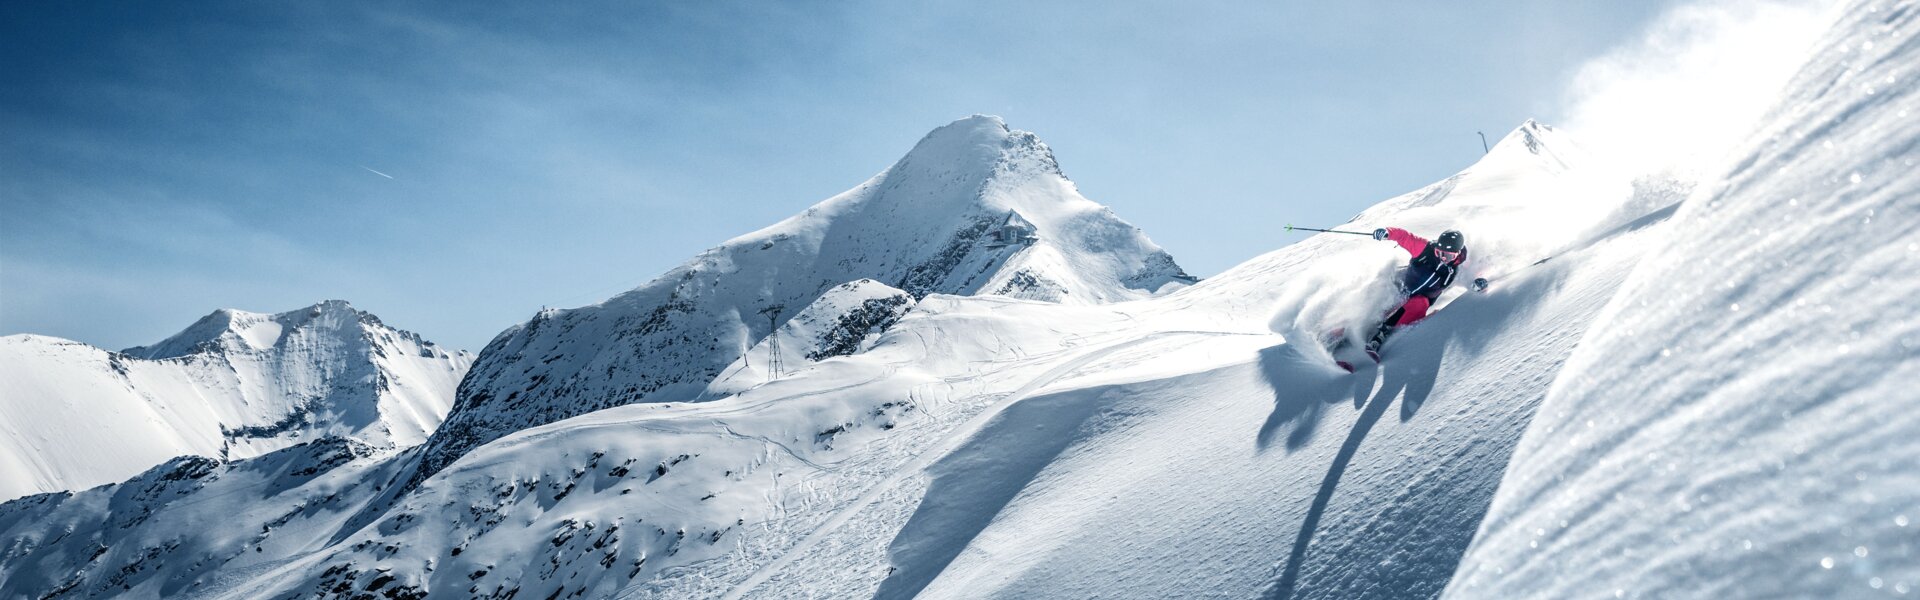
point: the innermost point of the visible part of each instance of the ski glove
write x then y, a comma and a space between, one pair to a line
1480, 284
1379, 234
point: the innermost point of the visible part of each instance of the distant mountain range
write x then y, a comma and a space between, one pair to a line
233, 385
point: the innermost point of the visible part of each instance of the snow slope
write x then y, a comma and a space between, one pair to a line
1199, 455
995, 446
233, 385
188, 520
1741, 422
842, 321
974, 208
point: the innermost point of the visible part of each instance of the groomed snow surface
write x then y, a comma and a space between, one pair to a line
1672, 389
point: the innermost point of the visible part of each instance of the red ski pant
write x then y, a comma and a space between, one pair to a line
1412, 311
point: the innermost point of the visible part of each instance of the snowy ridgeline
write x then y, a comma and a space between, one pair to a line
939, 445
974, 208
233, 385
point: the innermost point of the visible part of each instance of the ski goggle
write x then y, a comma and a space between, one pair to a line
1445, 255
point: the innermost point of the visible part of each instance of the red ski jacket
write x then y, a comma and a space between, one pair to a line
1427, 274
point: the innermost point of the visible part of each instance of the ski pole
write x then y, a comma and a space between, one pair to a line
1291, 228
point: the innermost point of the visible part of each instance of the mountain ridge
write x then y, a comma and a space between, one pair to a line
232, 385
975, 207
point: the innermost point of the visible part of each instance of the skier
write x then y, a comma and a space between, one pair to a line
1429, 272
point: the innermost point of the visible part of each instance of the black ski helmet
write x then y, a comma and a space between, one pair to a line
1451, 241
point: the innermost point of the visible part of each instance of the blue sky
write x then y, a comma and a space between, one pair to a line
158, 162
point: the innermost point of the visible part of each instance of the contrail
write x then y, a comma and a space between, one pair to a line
369, 170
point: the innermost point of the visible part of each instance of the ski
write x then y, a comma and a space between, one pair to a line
1335, 341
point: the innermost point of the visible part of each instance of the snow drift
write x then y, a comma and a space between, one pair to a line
1740, 422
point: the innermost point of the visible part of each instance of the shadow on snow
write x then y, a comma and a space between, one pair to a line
1303, 391
1410, 373
971, 485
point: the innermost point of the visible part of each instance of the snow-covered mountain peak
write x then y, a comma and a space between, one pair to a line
977, 137
257, 330
975, 208
234, 384
1535, 142
234, 329
979, 145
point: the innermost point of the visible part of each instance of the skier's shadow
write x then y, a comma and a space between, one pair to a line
1409, 372
1303, 392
